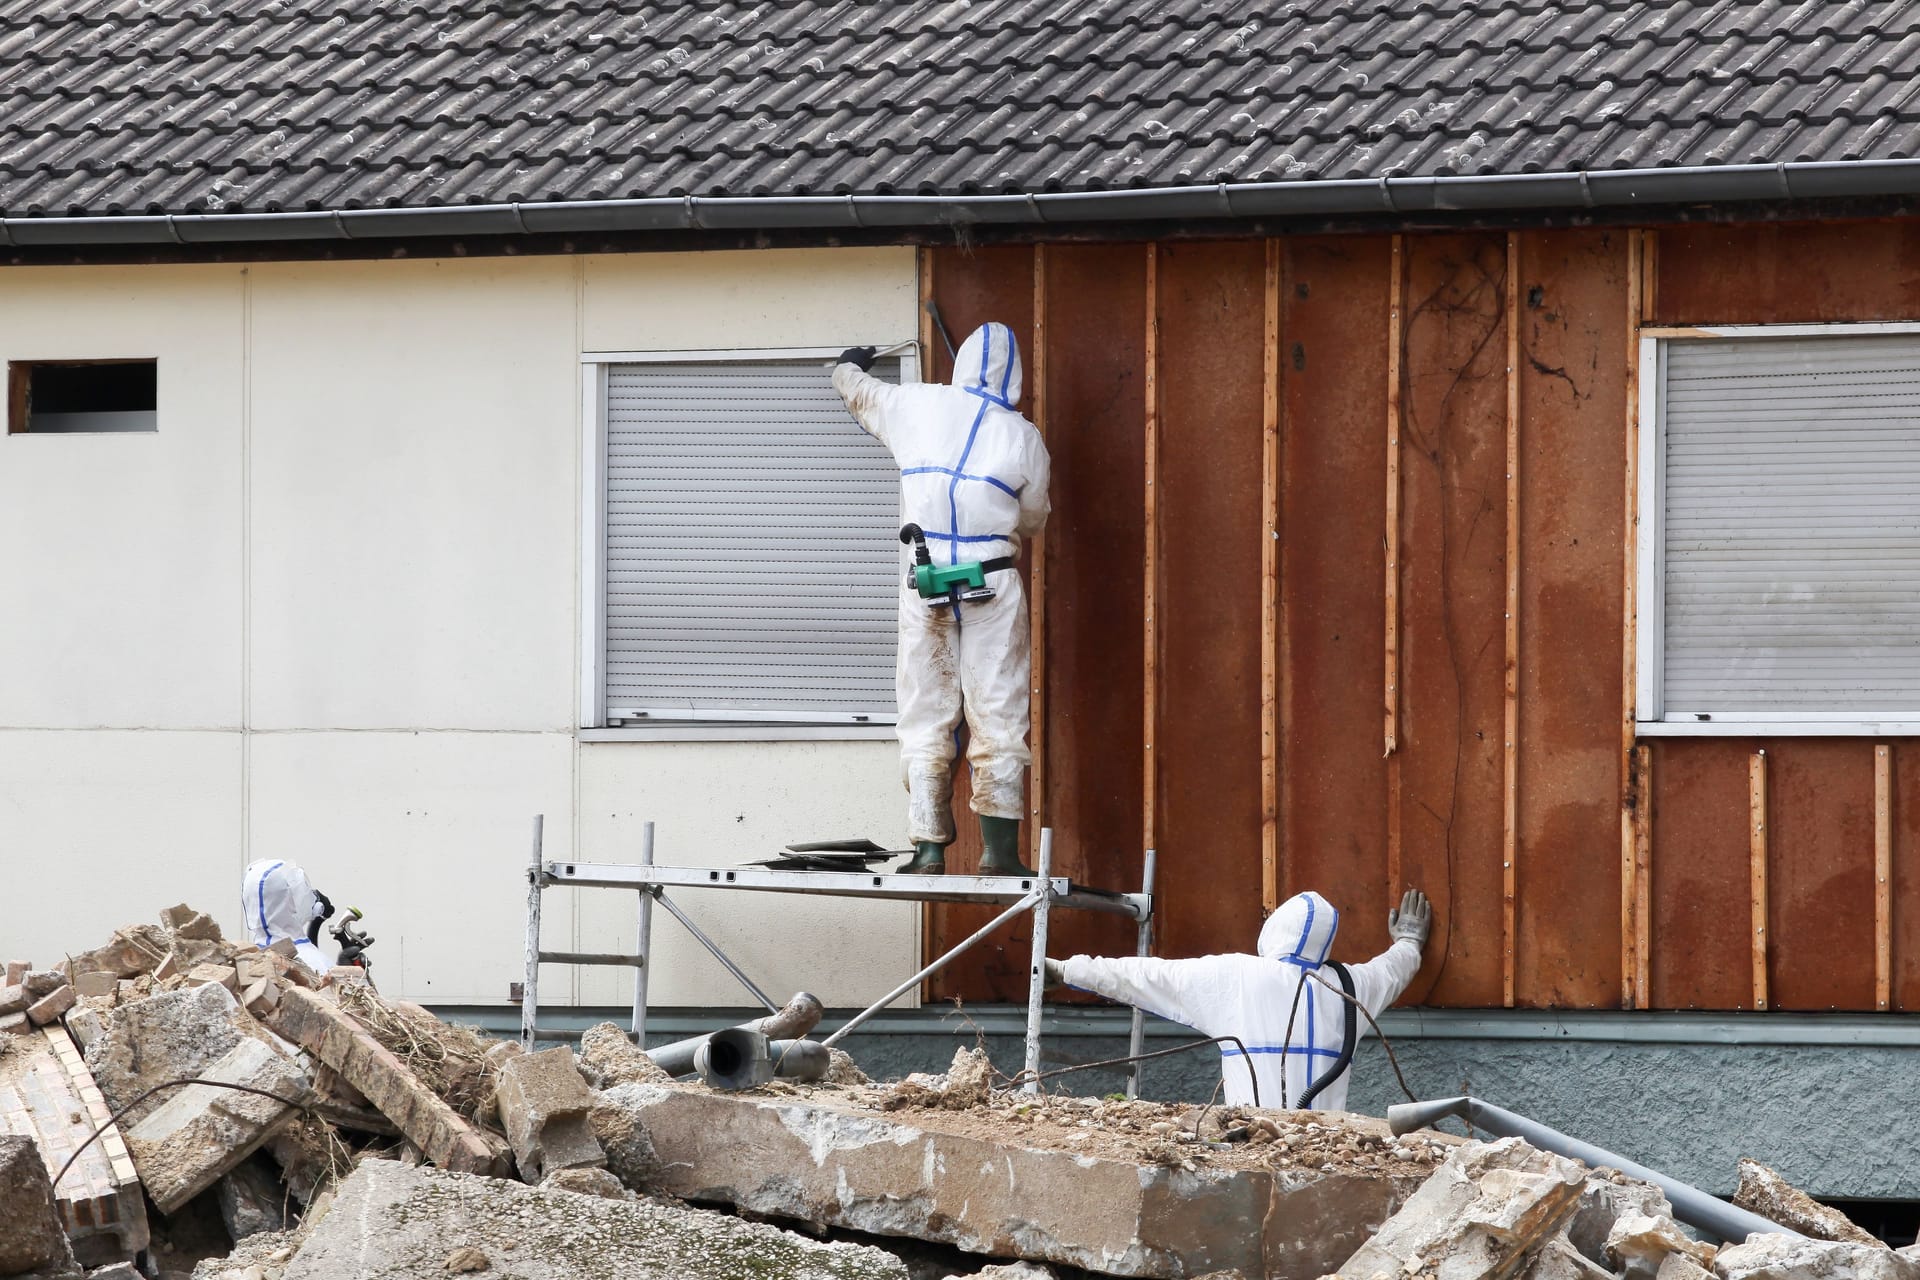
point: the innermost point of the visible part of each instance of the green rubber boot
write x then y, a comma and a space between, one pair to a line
1000, 838
930, 859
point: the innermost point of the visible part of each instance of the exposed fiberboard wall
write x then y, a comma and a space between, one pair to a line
330, 612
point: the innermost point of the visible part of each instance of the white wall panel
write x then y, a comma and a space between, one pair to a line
721, 804
429, 834
415, 491
120, 593
102, 828
749, 298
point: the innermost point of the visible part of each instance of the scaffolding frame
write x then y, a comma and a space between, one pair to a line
1017, 895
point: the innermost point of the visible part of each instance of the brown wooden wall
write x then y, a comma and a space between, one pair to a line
1335, 595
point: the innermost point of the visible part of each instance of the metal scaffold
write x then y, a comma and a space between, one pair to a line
1039, 894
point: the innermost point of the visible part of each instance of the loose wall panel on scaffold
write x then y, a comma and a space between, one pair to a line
1211, 370
1453, 606
1573, 358
972, 287
1333, 378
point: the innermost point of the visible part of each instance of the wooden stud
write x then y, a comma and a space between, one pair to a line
1037, 576
1882, 876
1631, 994
1151, 651
1391, 691
929, 372
1270, 594
1643, 872
1510, 828
1757, 870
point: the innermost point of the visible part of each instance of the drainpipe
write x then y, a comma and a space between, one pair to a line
1708, 1214
801, 1015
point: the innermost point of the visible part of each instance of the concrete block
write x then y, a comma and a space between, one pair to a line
199, 1134
47, 1094
98, 983
15, 1024
825, 1160
201, 974
17, 970
14, 999
399, 1222
49, 1008
31, 1235
608, 1056
324, 1030
544, 1107
1766, 1193
42, 982
1483, 1215
1784, 1257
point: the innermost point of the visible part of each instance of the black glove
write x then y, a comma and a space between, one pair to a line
859, 357
322, 905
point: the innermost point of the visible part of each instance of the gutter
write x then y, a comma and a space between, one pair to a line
1604, 188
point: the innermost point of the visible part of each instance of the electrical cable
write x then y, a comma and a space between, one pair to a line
173, 1084
1023, 1078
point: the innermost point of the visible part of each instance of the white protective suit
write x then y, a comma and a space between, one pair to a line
973, 476
277, 902
1251, 997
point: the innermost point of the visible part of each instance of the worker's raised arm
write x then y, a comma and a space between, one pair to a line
1182, 991
1378, 982
872, 402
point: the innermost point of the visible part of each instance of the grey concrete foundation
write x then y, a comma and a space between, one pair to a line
1823, 1098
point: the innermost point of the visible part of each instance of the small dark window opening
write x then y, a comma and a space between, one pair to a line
69, 396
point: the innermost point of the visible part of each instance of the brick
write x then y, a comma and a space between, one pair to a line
202, 974
17, 970
252, 967
262, 998
324, 1030
51, 1007
98, 983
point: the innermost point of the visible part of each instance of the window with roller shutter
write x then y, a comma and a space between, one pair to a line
1779, 575
750, 565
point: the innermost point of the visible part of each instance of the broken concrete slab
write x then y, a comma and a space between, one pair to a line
1482, 1216
1609, 1196
31, 1235
1558, 1259
1639, 1245
396, 1222
130, 952
1784, 1257
47, 1094
608, 1056
14, 999
201, 1133
42, 982
544, 1104
184, 921
97, 983
825, 1160
327, 1032
1766, 1193
15, 1024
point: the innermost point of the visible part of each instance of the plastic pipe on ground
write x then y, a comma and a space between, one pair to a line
799, 1016
1706, 1213
736, 1058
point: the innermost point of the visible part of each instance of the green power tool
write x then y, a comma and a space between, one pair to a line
954, 584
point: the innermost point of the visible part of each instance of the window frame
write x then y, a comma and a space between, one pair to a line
669, 725
19, 375
1647, 615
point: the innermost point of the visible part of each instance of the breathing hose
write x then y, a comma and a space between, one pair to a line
1350, 1036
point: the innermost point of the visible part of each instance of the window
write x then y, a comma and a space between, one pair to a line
743, 544
73, 396
1779, 543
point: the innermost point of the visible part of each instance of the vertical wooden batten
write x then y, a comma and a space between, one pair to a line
1643, 871
1757, 870
1270, 592
1149, 766
1037, 575
1632, 790
1882, 876
1391, 690
1509, 853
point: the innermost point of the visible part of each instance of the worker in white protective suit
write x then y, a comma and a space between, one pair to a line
973, 484
1256, 997
277, 902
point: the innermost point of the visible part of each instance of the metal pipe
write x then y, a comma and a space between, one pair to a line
643, 933
936, 966
1036, 978
736, 1058
800, 1059
1143, 944
530, 987
793, 1020
1696, 1208
713, 949
1570, 189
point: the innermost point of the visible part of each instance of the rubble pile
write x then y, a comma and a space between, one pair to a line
178, 1106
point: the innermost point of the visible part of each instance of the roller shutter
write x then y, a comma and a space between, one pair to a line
1791, 526
752, 561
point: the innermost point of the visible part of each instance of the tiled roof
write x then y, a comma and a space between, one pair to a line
226, 106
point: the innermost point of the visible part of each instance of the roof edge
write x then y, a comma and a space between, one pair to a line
1410, 195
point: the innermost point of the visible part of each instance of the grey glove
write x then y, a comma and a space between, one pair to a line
1054, 973
1412, 920
860, 357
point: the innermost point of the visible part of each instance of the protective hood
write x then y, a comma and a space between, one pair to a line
277, 902
988, 365
1300, 931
